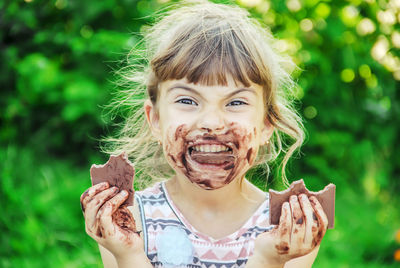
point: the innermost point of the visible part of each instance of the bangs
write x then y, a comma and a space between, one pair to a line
208, 55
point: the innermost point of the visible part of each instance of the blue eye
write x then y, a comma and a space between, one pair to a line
236, 103
187, 101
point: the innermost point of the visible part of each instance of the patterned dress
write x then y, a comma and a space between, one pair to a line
170, 240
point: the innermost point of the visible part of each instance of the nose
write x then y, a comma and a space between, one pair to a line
211, 121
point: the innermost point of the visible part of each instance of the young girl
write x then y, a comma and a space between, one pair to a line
217, 103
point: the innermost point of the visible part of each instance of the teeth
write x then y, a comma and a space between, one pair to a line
208, 148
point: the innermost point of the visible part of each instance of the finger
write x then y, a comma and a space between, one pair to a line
298, 225
93, 206
284, 229
92, 191
310, 224
322, 220
104, 216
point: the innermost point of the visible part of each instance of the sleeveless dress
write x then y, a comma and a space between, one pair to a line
170, 240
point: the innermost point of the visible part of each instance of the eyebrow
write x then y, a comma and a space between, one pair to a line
180, 86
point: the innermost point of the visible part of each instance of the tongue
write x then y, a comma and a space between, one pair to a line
212, 158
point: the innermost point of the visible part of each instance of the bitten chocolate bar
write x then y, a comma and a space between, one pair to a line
118, 171
326, 197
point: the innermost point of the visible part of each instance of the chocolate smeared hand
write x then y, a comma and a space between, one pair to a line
118, 171
123, 218
326, 197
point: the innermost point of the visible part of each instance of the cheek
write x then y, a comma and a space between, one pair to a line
247, 144
174, 145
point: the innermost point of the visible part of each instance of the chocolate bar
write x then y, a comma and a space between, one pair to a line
326, 197
118, 171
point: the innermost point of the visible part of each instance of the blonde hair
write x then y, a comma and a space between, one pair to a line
204, 43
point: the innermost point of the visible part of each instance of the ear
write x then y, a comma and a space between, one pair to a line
153, 119
266, 132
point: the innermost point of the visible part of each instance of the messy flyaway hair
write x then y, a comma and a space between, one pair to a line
205, 43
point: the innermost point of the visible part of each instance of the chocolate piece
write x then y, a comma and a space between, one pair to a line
326, 197
118, 171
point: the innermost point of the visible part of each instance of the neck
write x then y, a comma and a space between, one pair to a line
222, 199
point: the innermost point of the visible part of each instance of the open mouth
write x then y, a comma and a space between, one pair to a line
212, 155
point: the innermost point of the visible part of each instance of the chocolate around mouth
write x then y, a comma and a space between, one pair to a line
212, 158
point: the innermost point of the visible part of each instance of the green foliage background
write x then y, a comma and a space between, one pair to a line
55, 73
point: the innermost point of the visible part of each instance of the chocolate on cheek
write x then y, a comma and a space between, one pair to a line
176, 149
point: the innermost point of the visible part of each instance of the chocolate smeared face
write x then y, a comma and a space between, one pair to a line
211, 161
210, 134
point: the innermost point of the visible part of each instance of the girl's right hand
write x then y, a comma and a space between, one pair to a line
302, 225
109, 223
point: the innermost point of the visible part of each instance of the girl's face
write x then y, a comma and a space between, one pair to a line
210, 134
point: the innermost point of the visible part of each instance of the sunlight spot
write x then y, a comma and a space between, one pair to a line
86, 31
369, 183
396, 75
380, 48
386, 17
282, 45
396, 39
391, 62
349, 15
365, 71
61, 4
306, 25
395, 4
347, 75
372, 81
365, 26
323, 10
310, 112
263, 7
293, 5
250, 3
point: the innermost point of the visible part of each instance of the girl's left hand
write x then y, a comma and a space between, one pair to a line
302, 225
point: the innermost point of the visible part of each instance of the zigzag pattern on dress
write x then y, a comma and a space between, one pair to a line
231, 251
